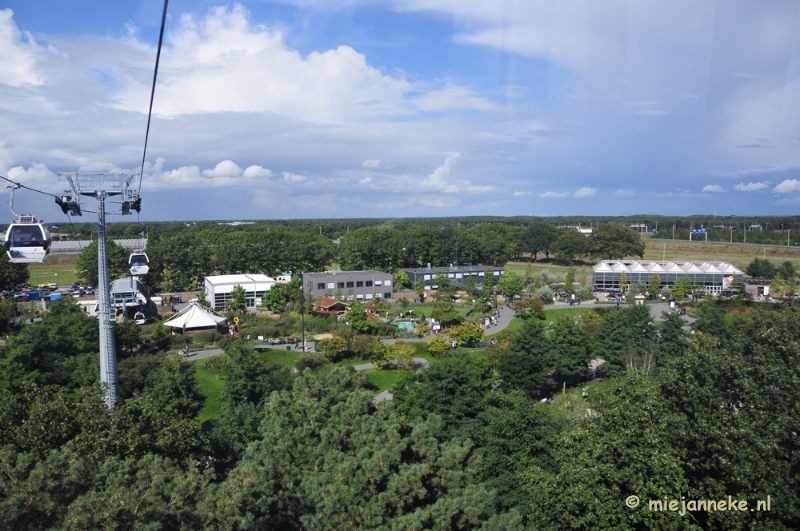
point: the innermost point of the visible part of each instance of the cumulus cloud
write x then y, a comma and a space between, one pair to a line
517, 193
371, 163
554, 195
787, 186
440, 178
226, 168
17, 58
256, 172
37, 176
584, 191
751, 187
714, 189
627, 192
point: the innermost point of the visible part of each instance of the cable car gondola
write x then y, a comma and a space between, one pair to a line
139, 318
139, 263
27, 239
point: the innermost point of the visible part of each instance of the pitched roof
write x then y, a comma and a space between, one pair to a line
194, 316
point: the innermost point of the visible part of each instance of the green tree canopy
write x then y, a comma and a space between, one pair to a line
538, 238
569, 245
117, 262
614, 242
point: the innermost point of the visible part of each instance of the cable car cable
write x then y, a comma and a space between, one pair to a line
153, 92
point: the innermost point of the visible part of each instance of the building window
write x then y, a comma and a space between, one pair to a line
387, 282
340, 285
377, 295
359, 297
359, 283
427, 277
320, 285
379, 283
369, 283
331, 285
387, 295
369, 295
350, 284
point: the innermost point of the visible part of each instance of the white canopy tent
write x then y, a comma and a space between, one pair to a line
194, 316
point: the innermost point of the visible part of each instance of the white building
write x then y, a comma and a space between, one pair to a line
218, 288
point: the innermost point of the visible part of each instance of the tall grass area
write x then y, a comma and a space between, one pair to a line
211, 387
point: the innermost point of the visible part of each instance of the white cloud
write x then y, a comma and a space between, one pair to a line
627, 192
751, 187
452, 98
547, 195
517, 193
293, 177
226, 168
440, 178
17, 58
714, 189
371, 163
256, 172
37, 176
225, 62
787, 186
584, 191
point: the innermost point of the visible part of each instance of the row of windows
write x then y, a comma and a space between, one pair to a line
368, 296
351, 284
461, 275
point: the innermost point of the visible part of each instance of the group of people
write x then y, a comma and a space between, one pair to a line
490, 321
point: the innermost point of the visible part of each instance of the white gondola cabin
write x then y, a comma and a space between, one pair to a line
27, 241
139, 263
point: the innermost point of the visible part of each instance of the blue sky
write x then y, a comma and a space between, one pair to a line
402, 108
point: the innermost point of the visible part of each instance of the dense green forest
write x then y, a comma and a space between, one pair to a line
465, 444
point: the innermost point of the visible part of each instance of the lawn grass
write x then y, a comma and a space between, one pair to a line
287, 358
383, 379
211, 387
551, 315
62, 266
425, 311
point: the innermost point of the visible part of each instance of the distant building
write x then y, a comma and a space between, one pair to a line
715, 276
349, 285
328, 306
456, 274
219, 287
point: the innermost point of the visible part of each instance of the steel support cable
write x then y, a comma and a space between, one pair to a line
153, 91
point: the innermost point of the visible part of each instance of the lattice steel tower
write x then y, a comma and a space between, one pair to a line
101, 186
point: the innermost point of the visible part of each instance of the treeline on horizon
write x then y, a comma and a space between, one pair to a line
774, 227
180, 260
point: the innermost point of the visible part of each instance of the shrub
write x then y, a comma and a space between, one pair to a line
311, 361
437, 347
544, 294
585, 292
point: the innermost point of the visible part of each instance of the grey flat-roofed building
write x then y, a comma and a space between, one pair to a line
349, 285
455, 273
715, 276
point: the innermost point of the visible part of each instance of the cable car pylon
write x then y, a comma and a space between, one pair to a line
100, 186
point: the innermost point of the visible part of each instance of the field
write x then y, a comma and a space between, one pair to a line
738, 255
58, 269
